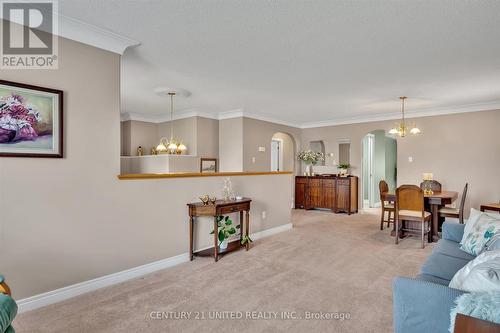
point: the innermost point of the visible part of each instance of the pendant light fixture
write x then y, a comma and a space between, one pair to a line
171, 146
402, 129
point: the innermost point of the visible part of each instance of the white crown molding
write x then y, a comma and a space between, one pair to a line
58, 295
424, 112
239, 113
236, 113
156, 119
271, 120
89, 34
92, 35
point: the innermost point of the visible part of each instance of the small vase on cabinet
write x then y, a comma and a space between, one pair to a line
309, 170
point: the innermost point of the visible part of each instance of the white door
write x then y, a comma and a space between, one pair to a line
276, 155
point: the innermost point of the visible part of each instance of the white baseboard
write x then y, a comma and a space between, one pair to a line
271, 231
58, 295
61, 294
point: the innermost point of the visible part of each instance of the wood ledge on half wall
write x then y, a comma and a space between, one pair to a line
198, 174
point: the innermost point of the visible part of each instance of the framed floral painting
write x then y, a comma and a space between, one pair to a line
31, 121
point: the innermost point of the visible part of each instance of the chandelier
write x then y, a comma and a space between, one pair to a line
171, 146
402, 128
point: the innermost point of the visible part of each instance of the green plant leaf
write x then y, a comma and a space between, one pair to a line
229, 222
226, 218
232, 231
212, 232
246, 239
221, 236
238, 226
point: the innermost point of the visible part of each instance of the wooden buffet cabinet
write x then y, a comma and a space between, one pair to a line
340, 194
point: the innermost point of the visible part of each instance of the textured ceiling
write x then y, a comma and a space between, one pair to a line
304, 61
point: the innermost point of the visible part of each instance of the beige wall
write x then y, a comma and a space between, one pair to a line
456, 148
184, 130
231, 144
258, 133
69, 220
125, 133
200, 135
142, 134
207, 137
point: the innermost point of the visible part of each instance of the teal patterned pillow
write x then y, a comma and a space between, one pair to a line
483, 229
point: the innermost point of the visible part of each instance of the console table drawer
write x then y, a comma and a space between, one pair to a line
233, 208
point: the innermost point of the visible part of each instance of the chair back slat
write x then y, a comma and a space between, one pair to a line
383, 188
410, 197
462, 204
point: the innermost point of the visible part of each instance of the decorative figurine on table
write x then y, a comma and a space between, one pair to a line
205, 199
212, 200
427, 184
227, 190
140, 151
153, 151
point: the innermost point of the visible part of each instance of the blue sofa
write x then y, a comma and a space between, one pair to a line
423, 304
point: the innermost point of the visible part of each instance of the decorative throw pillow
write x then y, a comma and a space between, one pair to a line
478, 305
493, 243
473, 273
473, 216
478, 232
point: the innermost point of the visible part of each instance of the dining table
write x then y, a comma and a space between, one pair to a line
435, 201
495, 207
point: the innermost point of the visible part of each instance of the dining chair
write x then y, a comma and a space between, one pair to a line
456, 212
433, 185
387, 206
411, 216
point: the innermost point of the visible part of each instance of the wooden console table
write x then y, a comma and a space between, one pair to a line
220, 207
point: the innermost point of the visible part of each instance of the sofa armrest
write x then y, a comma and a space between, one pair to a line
8, 310
453, 231
422, 306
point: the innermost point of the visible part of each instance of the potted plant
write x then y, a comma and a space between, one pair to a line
226, 229
310, 158
343, 168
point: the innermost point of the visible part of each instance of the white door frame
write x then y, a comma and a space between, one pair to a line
280, 154
370, 151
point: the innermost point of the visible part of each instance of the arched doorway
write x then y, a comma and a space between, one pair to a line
379, 162
282, 152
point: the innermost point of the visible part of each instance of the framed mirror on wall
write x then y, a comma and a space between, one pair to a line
318, 146
344, 151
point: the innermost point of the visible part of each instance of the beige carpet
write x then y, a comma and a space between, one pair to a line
329, 263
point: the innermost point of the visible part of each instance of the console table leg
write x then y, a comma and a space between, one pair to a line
247, 228
242, 226
191, 225
216, 235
